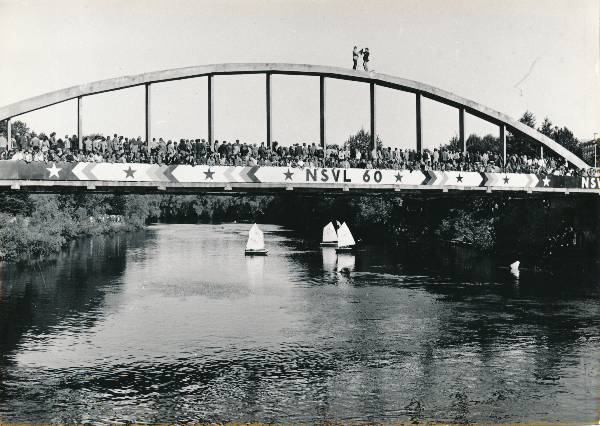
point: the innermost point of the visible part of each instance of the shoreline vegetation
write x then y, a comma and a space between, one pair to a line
40, 225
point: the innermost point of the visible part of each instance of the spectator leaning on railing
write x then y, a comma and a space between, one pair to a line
119, 149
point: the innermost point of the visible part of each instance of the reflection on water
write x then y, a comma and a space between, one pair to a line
329, 259
345, 262
255, 268
176, 324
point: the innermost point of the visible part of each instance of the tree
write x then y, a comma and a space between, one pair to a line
546, 128
528, 119
483, 144
18, 129
566, 138
139, 208
476, 143
361, 140
518, 143
563, 136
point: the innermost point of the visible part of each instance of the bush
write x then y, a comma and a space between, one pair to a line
464, 227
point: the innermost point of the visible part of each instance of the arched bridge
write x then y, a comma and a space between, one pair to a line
145, 175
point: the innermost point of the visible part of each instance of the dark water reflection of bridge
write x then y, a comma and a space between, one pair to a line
174, 324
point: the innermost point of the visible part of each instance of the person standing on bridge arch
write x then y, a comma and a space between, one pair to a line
354, 57
365, 54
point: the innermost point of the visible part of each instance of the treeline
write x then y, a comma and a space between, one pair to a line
40, 225
519, 144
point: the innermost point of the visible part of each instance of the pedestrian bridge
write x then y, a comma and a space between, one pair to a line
153, 177
132, 177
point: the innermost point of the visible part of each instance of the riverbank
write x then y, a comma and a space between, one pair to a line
39, 226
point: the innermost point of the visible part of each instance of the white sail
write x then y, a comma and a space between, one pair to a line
337, 223
345, 238
329, 234
256, 240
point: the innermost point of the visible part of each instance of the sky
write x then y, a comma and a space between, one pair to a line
510, 55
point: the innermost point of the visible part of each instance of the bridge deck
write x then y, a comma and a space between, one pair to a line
130, 177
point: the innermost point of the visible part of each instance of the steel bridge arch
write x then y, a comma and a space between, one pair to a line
374, 79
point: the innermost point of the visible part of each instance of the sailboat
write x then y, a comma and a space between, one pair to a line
256, 242
330, 237
346, 241
514, 268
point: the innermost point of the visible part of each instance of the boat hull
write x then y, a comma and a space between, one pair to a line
329, 244
256, 252
347, 249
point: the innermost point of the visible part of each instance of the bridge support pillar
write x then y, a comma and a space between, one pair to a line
503, 140
148, 120
373, 130
9, 133
79, 123
268, 105
322, 112
210, 122
419, 123
461, 129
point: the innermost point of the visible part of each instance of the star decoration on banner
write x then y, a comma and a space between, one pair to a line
459, 178
209, 174
54, 171
288, 174
546, 181
129, 172
398, 177
505, 179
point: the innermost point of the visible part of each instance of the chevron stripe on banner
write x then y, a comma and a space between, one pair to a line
248, 174
438, 178
167, 172
430, 178
78, 171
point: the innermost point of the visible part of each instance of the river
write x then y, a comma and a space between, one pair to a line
175, 324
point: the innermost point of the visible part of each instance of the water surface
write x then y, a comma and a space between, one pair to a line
175, 324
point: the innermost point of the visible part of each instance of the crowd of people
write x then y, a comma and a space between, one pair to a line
119, 149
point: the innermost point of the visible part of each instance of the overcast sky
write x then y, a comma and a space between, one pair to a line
510, 55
